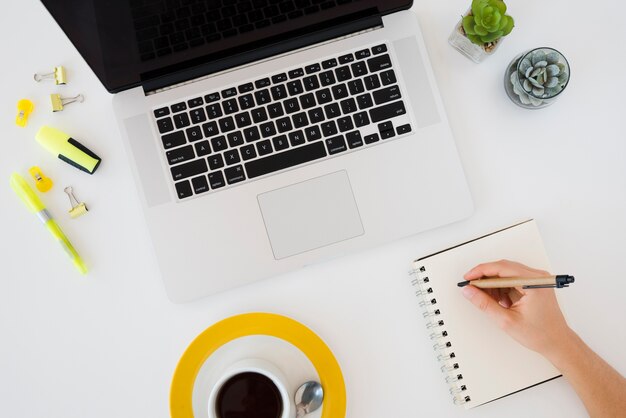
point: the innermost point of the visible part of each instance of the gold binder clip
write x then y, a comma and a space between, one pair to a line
59, 102
42, 182
58, 75
24, 108
78, 208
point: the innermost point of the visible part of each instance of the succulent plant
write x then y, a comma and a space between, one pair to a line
487, 22
540, 75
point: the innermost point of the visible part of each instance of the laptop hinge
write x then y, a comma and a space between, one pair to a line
163, 79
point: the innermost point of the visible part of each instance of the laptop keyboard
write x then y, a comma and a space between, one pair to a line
338, 105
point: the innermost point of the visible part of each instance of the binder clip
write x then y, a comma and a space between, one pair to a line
58, 75
59, 102
78, 208
24, 108
42, 182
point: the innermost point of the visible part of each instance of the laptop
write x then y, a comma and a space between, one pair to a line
266, 135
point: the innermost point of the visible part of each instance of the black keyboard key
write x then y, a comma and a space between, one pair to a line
173, 140
275, 110
262, 96
245, 88
195, 102
300, 120
248, 152
179, 107
295, 87
345, 124
230, 106
264, 147
229, 92
280, 142
327, 78
344, 59
234, 174
219, 143
313, 68
212, 97
386, 94
268, 129
356, 87
370, 139
210, 129
159, 113
386, 130
291, 105
181, 120
311, 83
343, 73
332, 111
316, 115
246, 101
359, 69
197, 115
216, 161
372, 82
235, 139
364, 101
279, 92
379, 49
284, 125
285, 159
259, 115
354, 139
214, 111
323, 96
179, 155
200, 185
279, 78
348, 106
335, 144
298, 72
183, 189
361, 119
192, 168
251, 134
307, 101
231, 157
202, 148
329, 128
313, 133
388, 77
193, 134
403, 129
387, 111
381, 62
243, 120
227, 124
296, 138
340, 91
364, 53
329, 63
264, 82
216, 180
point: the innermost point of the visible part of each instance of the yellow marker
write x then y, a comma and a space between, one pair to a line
42, 182
34, 204
68, 149
24, 108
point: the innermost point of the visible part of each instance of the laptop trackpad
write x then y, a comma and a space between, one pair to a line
310, 215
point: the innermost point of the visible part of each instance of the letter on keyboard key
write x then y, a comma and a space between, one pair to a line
173, 140
192, 168
336, 144
387, 111
386, 94
216, 180
381, 62
286, 159
183, 189
179, 155
234, 174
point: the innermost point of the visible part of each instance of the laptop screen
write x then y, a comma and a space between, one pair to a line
127, 42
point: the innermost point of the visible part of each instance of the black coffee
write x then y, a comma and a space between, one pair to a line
249, 395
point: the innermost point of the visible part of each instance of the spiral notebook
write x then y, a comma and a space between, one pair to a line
480, 362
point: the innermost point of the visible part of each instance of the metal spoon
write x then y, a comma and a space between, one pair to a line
308, 398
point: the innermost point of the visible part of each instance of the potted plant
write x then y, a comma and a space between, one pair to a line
479, 33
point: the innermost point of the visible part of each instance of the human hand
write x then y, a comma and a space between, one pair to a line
530, 316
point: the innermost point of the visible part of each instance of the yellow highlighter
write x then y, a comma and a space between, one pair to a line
34, 204
68, 149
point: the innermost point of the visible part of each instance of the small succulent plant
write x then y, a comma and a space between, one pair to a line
487, 22
540, 75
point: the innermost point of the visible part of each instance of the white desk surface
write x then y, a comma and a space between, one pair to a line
106, 345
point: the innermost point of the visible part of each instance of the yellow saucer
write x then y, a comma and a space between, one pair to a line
278, 326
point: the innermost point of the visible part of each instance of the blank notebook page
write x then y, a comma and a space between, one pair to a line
492, 363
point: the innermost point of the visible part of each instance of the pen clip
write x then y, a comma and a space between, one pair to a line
543, 286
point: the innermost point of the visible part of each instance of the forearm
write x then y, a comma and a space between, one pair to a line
601, 388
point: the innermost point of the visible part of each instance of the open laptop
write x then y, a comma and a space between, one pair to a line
265, 135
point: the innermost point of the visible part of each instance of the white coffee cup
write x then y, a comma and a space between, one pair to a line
255, 366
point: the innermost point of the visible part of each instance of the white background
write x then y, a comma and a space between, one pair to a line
106, 345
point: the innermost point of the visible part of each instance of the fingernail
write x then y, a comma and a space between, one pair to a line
468, 291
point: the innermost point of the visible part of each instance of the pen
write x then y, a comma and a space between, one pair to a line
34, 204
562, 280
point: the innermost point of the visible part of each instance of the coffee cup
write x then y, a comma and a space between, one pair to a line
250, 388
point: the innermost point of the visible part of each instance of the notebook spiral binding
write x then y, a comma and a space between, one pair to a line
442, 344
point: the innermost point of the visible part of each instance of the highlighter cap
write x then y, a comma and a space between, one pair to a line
68, 149
26, 194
